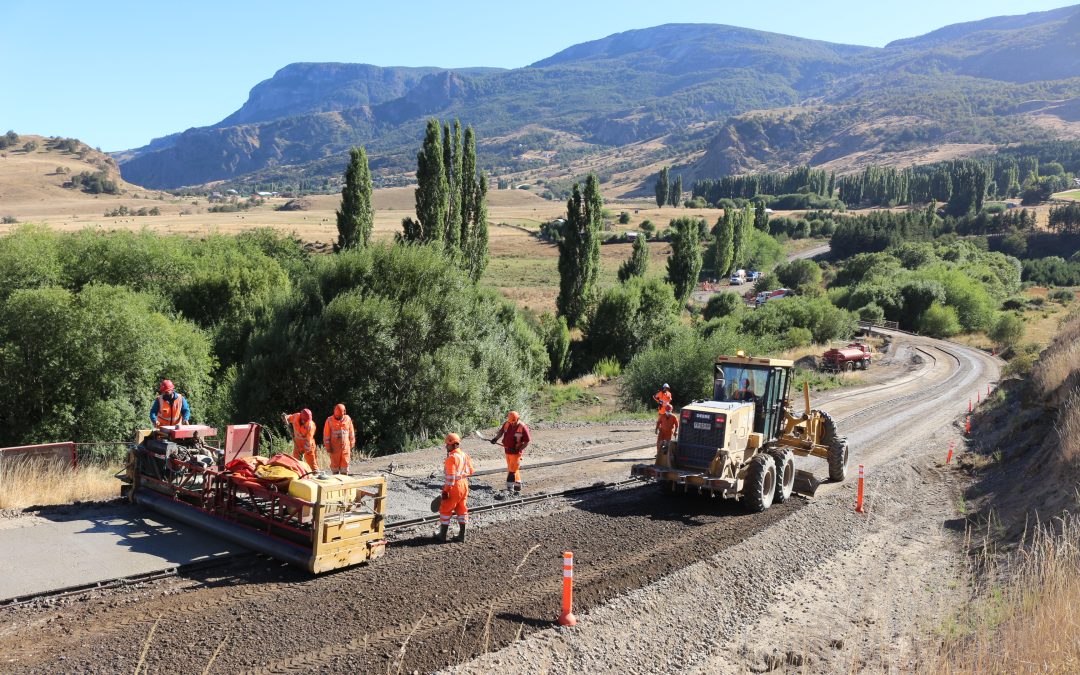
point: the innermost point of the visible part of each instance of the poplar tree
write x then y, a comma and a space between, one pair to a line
761, 218
684, 265
741, 223
356, 217
452, 166
638, 262
662, 188
723, 252
675, 193
477, 251
579, 252
432, 190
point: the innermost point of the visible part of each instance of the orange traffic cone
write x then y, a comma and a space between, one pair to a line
948, 457
859, 495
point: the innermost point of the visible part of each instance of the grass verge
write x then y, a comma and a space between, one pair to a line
38, 482
1024, 619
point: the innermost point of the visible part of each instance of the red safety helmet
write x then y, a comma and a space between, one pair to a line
339, 410
668, 407
512, 417
305, 415
166, 387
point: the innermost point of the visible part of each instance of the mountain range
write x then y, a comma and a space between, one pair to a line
715, 99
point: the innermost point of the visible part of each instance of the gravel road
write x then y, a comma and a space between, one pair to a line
662, 583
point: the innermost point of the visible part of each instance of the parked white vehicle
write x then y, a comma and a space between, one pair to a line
738, 278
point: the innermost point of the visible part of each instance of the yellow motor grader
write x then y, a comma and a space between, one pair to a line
742, 443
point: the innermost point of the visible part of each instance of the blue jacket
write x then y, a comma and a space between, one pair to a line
185, 410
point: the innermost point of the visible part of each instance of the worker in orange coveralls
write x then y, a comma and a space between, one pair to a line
455, 493
515, 438
339, 438
303, 434
662, 397
667, 425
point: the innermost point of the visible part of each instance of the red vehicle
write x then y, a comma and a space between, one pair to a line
854, 355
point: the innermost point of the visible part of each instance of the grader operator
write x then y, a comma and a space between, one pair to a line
742, 443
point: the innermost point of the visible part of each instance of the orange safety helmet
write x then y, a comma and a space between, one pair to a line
339, 410
512, 417
305, 415
453, 439
166, 387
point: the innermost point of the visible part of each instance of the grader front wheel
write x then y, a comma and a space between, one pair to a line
837, 445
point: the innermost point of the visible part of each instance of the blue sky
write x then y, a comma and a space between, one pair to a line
116, 74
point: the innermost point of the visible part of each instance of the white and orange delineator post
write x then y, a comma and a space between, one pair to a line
567, 617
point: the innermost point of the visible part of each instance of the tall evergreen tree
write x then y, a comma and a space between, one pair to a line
356, 217
638, 262
579, 252
675, 193
432, 191
684, 265
723, 252
662, 187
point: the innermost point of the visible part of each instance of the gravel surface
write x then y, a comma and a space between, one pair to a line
662, 583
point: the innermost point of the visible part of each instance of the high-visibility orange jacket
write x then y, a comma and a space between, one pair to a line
667, 425
168, 413
662, 397
515, 436
303, 436
457, 468
339, 434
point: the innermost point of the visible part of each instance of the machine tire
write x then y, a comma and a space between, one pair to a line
838, 459
837, 445
864, 364
759, 488
849, 366
784, 460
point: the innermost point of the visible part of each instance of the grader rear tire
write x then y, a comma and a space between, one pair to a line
785, 474
760, 486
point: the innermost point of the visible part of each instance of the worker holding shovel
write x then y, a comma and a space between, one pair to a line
515, 438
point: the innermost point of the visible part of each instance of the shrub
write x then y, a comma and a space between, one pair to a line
629, 317
721, 305
686, 363
624, 218
872, 312
797, 337
824, 320
799, 274
89, 363
9, 220
393, 325
1061, 295
556, 336
939, 321
607, 368
1007, 329
648, 227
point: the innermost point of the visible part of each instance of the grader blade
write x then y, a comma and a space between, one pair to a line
806, 483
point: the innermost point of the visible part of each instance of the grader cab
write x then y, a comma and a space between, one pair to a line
742, 443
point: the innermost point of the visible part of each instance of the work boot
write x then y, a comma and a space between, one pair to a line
517, 488
510, 488
441, 536
461, 533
